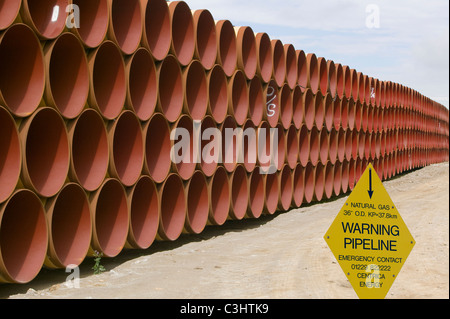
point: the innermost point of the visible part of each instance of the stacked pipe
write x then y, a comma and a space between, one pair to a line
91, 94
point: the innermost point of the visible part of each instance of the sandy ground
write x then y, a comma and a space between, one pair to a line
282, 256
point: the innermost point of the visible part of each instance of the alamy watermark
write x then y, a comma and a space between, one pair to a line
73, 15
373, 16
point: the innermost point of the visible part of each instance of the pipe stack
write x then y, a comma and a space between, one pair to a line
90, 95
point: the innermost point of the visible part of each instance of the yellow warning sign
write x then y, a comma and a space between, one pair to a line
369, 238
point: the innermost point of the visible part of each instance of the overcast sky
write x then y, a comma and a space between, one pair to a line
407, 42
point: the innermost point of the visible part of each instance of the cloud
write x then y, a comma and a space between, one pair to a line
410, 46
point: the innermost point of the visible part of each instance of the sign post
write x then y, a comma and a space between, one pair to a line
369, 238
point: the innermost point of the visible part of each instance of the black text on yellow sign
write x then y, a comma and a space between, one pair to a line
369, 238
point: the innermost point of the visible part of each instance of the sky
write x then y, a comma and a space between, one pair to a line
404, 41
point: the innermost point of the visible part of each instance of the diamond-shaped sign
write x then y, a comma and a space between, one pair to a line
369, 238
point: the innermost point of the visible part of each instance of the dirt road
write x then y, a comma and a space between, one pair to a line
282, 256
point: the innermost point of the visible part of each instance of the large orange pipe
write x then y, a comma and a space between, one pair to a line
142, 84
292, 147
256, 193
195, 90
298, 115
10, 155
285, 188
108, 83
310, 108
125, 24
309, 173
22, 79
47, 18
219, 197
291, 65
323, 75
172, 197
9, 9
272, 192
88, 142
239, 193
238, 97
205, 38
23, 246
217, 84
286, 106
257, 100
93, 22
110, 218
246, 51
265, 56
298, 185
197, 203
279, 62
145, 207
304, 145
126, 145
226, 46
69, 227
67, 75
312, 67
157, 28
183, 36
302, 69
186, 163
45, 150
210, 156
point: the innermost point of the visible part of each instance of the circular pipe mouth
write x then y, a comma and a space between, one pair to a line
173, 208
309, 182
23, 246
341, 145
183, 152
336, 79
348, 144
10, 155
324, 146
22, 79
298, 115
47, 17
309, 103
46, 153
292, 147
272, 94
70, 227
157, 29
256, 193
110, 218
171, 91
354, 84
217, 83
210, 154
345, 176
142, 85
125, 24
304, 145
93, 21
286, 106
355, 143
337, 114
279, 62
272, 193
285, 187
361, 144
89, 148
280, 142
358, 115
197, 204
157, 147
183, 36
323, 75
238, 97
314, 146
127, 148
313, 69
108, 83
291, 65
220, 197
67, 80
249, 146
329, 111
196, 90
239, 193
337, 178
227, 46
344, 113
329, 180
298, 188
144, 208
265, 56
346, 73
9, 9
247, 59
256, 100
333, 146
230, 144
352, 174
351, 115
319, 181
302, 69
206, 38
319, 117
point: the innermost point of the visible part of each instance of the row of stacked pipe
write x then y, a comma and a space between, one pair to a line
90, 91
